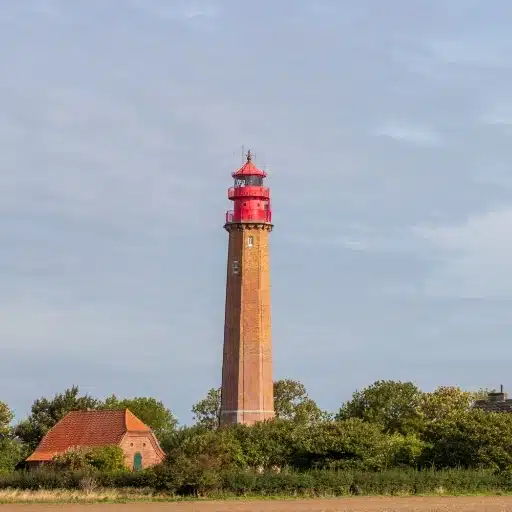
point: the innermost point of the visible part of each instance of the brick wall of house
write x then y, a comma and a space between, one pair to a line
247, 388
145, 445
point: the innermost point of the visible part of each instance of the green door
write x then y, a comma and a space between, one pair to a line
137, 462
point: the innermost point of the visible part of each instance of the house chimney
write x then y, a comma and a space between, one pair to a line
497, 397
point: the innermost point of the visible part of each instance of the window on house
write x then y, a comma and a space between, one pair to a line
250, 241
236, 267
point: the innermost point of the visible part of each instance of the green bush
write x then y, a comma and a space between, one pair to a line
11, 453
146, 479
182, 481
473, 439
103, 458
349, 444
74, 459
270, 443
47, 478
216, 450
346, 482
107, 458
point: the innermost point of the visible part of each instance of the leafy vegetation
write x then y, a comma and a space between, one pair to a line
226, 483
150, 411
102, 458
390, 437
6, 416
291, 402
45, 413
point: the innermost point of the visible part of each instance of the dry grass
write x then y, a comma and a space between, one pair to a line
94, 494
82, 496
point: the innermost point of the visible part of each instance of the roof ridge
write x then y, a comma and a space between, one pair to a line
75, 412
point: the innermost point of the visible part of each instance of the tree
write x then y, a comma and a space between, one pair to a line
45, 413
207, 411
173, 440
11, 452
269, 444
291, 402
393, 405
444, 402
351, 443
471, 439
149, 410
6, 416
214, 448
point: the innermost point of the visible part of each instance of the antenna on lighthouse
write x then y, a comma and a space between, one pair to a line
243, 154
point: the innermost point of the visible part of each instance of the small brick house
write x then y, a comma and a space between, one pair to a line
94, 428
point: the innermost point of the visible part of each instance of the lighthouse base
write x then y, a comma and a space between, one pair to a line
244, 417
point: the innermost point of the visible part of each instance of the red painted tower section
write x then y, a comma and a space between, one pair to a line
247, 386
251, 199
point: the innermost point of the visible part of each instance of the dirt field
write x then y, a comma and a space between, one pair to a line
446, 504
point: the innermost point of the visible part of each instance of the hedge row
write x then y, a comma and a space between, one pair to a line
240, 483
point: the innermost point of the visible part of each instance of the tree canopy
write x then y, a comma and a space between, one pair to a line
394, 405
291, 402
6, 416
46, 412
387, 424
207, 411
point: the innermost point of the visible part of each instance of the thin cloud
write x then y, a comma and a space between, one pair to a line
117, 145
177, 9
500, 114
475, 51
208, 11
367, 239
418, 135
474, 258
80, 166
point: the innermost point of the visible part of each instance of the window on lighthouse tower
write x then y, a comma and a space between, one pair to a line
253, 181
248, 181
250, 241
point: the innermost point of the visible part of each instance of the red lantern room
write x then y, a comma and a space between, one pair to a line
251, 199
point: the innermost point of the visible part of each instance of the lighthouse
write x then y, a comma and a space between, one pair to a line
247, 387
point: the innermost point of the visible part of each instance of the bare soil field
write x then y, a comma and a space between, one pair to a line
373, 504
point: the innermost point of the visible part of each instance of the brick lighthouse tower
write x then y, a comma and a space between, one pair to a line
247, 388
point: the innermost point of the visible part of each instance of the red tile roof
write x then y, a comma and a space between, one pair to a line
87, 428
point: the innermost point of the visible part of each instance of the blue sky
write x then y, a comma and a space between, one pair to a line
385, 128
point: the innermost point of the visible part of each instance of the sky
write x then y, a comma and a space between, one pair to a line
385, 129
